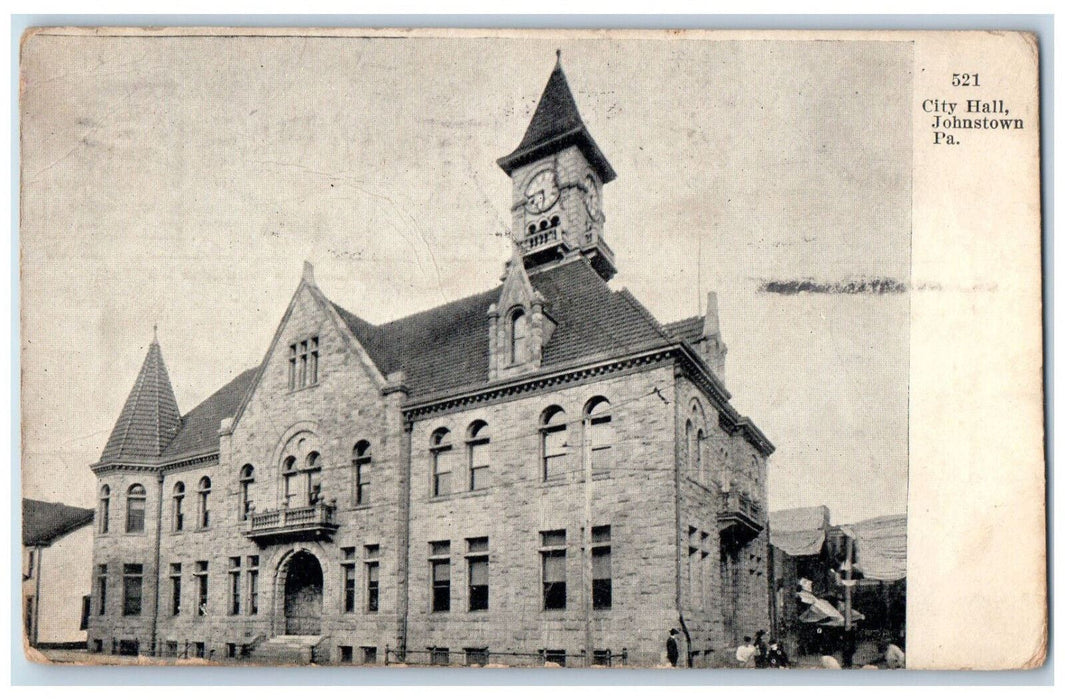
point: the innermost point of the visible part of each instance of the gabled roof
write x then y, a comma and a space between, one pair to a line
149, 419
43, 522
445, 348
556, 124
199, 427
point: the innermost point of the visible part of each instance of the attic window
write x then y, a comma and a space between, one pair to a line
303, 363
518, 328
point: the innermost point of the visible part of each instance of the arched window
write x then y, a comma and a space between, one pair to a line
477, 448
440, 446
135, 498
518, 327
204, 491
553, 442
361, 460
289, 475
247, 478
314, 478
600, 433
179, 501
105, 508
700, 439
689, 448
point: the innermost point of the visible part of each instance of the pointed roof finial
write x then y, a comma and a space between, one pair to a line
308, 272
155, 333
558, 57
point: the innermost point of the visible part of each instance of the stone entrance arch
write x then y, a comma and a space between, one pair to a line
299, 588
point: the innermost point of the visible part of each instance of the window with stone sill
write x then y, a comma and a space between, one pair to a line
135, 500
518, 327
553, 443
361, 461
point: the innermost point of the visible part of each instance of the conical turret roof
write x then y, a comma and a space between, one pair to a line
556, 124
150, 418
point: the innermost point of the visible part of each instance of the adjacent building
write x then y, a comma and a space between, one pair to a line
542, 472
56, 547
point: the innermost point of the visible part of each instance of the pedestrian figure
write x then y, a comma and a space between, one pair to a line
760, 650
672, 648
776, 657
745, 653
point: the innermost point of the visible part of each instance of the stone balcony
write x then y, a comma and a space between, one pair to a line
301, 523
543, 239
739, 520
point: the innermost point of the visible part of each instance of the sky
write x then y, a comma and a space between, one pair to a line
183, 181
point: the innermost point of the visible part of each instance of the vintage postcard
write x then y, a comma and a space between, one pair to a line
638, 349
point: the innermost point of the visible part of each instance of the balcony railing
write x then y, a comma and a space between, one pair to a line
313, 522
740, 519
541, 239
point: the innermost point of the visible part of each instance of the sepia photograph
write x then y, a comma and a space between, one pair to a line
491, 349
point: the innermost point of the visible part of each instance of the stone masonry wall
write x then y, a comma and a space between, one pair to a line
635, 498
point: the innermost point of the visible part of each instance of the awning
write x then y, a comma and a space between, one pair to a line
821, 612
879, 547
800, 532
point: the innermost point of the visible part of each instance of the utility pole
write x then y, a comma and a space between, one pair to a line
847, 585
586, 538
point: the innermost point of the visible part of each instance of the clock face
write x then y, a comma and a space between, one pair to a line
542, 192
591, 196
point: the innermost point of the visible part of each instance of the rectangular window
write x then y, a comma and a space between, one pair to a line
171, 648
553, 556
101, 588
346, 656
442, 471
477, 564
554, 447
362, 481
98, 646
30, 563
129, 647
348, 566
602, 657
602, 584
175, 589
373, 572
602, 439
231, 650
234, 585
479, 465
440, 567
477, 656
369, 655
132, 585
201, 588
312, 369
29, 615
199, 649
253, 585
135, 514
555, 656
303, 363
439, 656
291, 367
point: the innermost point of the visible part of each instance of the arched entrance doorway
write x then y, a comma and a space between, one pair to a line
303, 594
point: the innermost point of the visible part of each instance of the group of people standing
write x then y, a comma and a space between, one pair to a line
758, 653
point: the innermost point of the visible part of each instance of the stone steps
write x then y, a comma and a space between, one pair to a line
286, 649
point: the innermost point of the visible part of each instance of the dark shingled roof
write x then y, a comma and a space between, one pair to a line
199, 427
150, 417
445, 348
556, 124
43, 523
690, 329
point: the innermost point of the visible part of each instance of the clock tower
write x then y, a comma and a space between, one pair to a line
558, 173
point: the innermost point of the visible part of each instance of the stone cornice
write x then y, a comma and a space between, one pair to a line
155, 466
529, 384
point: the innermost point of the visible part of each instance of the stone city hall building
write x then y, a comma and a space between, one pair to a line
542, 472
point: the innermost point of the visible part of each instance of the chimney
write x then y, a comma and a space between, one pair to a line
714, 346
